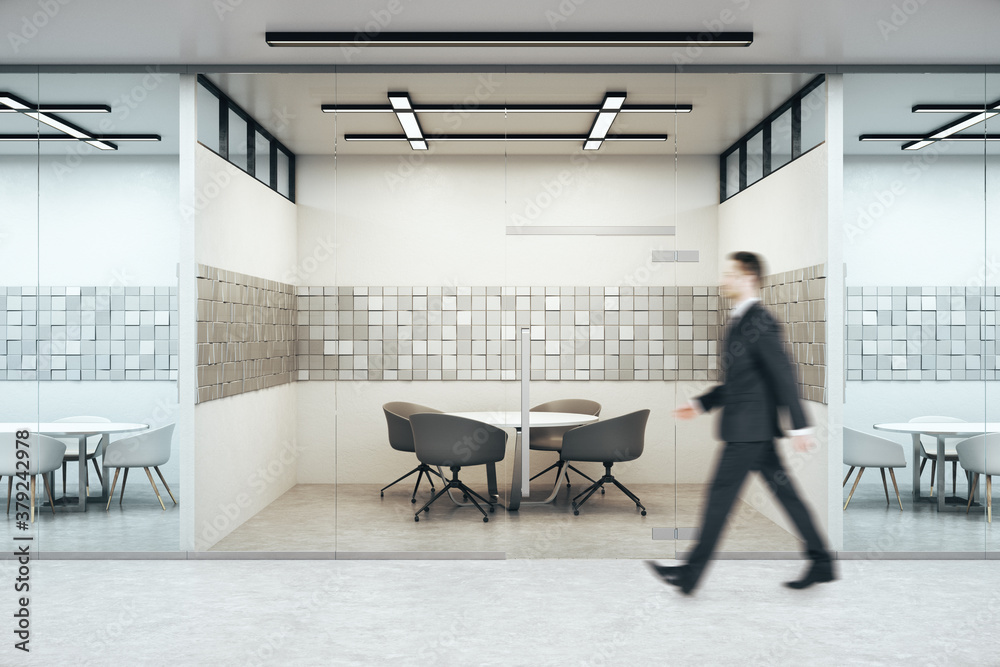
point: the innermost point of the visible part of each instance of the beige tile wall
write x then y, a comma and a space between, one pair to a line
246, 333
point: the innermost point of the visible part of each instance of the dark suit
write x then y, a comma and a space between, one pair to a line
758, 378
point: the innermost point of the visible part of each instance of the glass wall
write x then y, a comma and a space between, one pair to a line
918, 310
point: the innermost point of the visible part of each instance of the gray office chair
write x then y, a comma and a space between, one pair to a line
397, 418
550, 438
46, 455
864, 450
980, 455
456, 442
149, 449
611, 441
930, 453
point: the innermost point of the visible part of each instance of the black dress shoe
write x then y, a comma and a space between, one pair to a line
819, 573
675, 575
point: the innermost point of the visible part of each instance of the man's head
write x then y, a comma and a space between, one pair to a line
741, 279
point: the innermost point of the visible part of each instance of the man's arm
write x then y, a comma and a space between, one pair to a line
780, 376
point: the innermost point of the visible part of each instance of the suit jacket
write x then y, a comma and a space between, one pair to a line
758, 377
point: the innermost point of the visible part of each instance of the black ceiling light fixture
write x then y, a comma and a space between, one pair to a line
10, 103
975, 114
510, 39
406, 112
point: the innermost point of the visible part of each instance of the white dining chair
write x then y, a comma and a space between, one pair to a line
73, 446
931, 454
980, 455
149, 449
864, 450
45, 456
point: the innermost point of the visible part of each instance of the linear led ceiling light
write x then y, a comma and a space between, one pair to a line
509, 39
406, 113
975, 114
45, 114
599, 130
403, 109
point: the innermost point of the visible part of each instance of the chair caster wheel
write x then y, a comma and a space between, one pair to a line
427, 509
568, 485
576, 512
416, 518
381, 494
644, 512
413, 500
465, 498
486, 519
492, 509
602, 490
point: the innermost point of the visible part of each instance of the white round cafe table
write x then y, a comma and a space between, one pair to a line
941, 431
81, 431
512, 419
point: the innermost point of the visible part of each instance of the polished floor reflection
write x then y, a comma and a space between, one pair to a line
353, 518
139, 524
516, 612
872, 526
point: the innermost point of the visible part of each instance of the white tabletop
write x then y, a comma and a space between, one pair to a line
72, 428
512, 418
956, 429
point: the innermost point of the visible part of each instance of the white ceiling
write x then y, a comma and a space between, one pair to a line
232, 31
725, 107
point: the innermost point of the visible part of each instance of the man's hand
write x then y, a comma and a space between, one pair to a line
803, 443
685, 412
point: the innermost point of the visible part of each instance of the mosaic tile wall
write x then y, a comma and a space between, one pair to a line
798, 300
88, 333
469, 333
246, 333
922, 333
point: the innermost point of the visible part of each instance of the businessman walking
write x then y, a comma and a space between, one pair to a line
758, 378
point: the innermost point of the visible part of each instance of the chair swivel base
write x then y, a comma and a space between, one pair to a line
456, 483
608, 478
423, 469
560, 464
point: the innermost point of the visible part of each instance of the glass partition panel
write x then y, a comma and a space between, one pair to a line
915, 303
991, 281
19, 172
773, 221
106, 310
590, 216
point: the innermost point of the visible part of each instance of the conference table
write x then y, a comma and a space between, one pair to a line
512, 419
81, 431
941, 431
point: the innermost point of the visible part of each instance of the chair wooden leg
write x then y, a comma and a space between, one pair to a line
972, 490
857, 479
157, 469
848, 477
954, 477
64, 477
32, 499
97, 469
933, 475
48, 492
121, 497
885, 487
922, 464
892, 473
112, 493
989, 498
153, 484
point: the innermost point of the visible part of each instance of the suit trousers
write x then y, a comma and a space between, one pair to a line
737, 460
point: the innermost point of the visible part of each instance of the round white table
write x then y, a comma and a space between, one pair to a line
512, 419
941, 432
81, 431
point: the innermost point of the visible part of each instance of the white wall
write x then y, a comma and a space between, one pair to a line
784, 218
378, 220
106, 220
244, 444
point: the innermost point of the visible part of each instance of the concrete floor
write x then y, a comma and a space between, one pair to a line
515, 612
